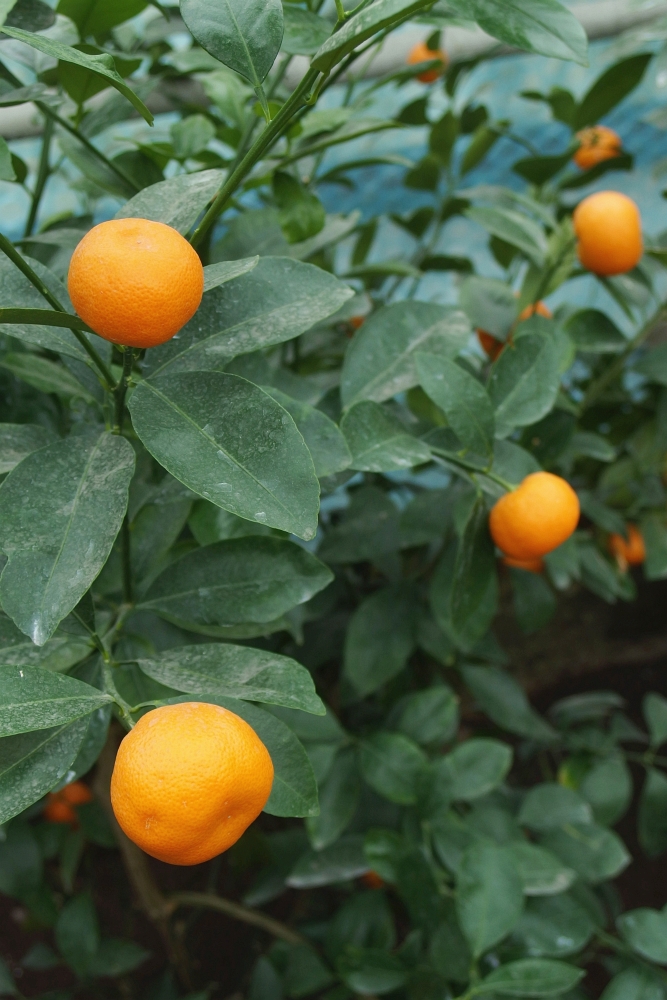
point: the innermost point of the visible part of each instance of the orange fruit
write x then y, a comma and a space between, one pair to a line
188, 780
58, 808
421, 53
535, 518
608, 227
135, 282
629, 551
530, 565
537, 309
372, 880
490, 344
597, 144
357, 321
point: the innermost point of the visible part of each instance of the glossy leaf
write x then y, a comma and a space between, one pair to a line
326, 443
514, 228
489, 895
475, 767
646, 932
277, 300
524, 382
380, 638
610, 88
305, 32
594, 853
655, 713
44, 375
549, 805
226, 270
543, 26
96, 17
392, 764
380, 360
103, 64
593, 332
339, 798
531, 977
35, 698
249, 579
204, 427
463, 399
489, 305
33, 763
341, 861
236, 672
178, 201
243, 34
59, 537
378, 441
505, 702
542, 873
652, 819
474, 593
634, 984
375, 17
17, 441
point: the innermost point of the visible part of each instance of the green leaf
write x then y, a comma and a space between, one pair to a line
326, 443
554, 926
380, 638
33, 763
361, 26
534, 600
77, 933
540, 169
236, 672
505, 702
249, 579
178, 201
378, 441
634, 984
463, 399
97, 17
380, 359
594, 853
301, 213
340, 862
17, 441
103, 64
513, 227
276, 301
475, 768
542, 873
191, 135
59, 537
305, 32
427, 717
524, 381
368, 529
226, 270
204, 427
543, 26
294, 791
652, 820
655, 712
489, 895
392, 764
44, 375
653, 364
339, 797
531, 977
371, 971
243, 34
34, 698
489, 305
117, 958
7, 172
7, 985
607, 787
646, 932
610, 89
474, 582
550, 805
593, 332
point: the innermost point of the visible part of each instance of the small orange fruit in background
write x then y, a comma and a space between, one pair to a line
492, 346
529, 565
597, 144
372, 880
58, 808
609, 230
629, 551
188, 780
421, 53
135, 282
535, 518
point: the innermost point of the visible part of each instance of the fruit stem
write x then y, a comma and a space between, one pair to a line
42, 177
10, 251
471, 467
239, 912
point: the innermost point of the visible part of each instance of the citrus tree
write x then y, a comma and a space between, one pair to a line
257, 493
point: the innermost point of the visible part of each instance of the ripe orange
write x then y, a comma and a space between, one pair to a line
535, 518
58, 808
609, 229
597, 144
135, 282
630, 551
421, 53
492, 346
529, 565
188, 780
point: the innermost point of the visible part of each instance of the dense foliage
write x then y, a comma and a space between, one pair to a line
160, 517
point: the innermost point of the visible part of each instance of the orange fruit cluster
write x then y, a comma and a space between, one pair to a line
535, 518
596, 144
608, 227
629, 551
421, 53
492, 346
188, 780
60, 805
135, 282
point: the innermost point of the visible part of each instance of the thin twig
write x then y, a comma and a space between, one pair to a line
42, 177
239, 912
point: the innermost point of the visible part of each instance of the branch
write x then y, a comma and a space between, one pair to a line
238, 912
